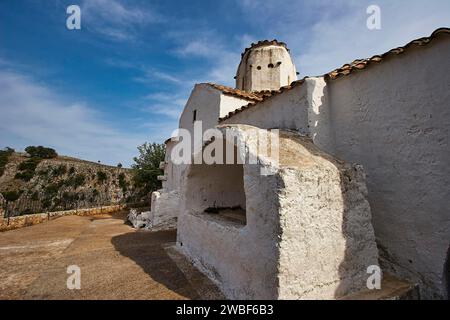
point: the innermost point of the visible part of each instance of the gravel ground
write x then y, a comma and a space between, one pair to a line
116, 262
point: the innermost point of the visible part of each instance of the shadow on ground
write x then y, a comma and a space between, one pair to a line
146, 249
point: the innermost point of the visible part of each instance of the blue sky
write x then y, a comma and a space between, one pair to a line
123, 79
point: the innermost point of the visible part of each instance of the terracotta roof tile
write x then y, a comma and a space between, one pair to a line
254, 96
346, 69
361, 64
264, 96
263, 43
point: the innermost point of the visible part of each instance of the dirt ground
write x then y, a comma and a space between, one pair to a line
116, 262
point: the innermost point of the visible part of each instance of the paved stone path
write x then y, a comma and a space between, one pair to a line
116, 262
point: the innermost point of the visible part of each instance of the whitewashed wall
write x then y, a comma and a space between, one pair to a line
265, 68
288, 110
210, 104
394, 118
206, 100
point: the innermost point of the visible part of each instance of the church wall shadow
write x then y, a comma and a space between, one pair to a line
146, 250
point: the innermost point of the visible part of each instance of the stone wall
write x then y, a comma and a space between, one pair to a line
32, 219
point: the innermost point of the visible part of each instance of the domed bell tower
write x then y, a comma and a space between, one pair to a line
266, 65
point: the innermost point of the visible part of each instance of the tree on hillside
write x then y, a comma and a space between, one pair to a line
41, 152
11, 196
146, 167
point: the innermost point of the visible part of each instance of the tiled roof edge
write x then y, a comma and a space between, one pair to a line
361, 64
263, 43
255, 96
346, 69
265, 95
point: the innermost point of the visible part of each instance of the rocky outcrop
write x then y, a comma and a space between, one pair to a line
139, 219
163, 214
64, 183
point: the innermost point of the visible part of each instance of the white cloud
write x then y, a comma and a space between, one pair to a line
151, 76
32, 114
324, 35
220, 56
170, 105
115, 20
196, 47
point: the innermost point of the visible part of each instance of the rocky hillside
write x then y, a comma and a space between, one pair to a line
31, 184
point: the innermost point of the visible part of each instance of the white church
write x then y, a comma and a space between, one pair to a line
361, 178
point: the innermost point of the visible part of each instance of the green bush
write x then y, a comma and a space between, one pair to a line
27, 169
29, 164
52, 189
11, 196
59, 170
41, 152
146, 167
46, 203
24, 175
123, 182
77, 180
101, 176
70, 197
43, 172
72, 170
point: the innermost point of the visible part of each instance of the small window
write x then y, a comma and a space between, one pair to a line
270, 66
194, 115
258, 67
279, 63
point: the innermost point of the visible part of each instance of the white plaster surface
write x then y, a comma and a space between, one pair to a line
303, 238
288, 111
210, 104
394, 119
206, 101
164, 210
255, 74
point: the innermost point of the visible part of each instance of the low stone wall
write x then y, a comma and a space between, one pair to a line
32, 219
